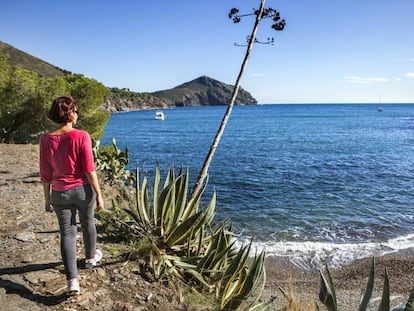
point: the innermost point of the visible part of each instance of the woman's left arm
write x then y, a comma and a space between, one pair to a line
46, 191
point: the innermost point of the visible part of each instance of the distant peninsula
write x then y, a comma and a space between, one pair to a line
202, 91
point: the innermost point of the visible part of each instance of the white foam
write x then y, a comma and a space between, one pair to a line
314, 255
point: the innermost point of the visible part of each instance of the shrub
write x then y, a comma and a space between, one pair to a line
111, 163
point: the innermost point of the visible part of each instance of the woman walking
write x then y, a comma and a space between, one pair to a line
70, 185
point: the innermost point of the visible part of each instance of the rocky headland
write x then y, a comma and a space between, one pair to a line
202, 91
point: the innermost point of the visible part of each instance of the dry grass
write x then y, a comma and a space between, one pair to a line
293, 302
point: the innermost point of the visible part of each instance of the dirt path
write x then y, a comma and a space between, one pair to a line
31, 271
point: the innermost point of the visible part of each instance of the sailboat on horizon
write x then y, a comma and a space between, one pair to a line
380, 109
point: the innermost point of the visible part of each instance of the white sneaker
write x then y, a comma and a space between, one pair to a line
91, 263
73, 287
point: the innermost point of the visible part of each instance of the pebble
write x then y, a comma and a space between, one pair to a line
25, 236
27, 259
41, 277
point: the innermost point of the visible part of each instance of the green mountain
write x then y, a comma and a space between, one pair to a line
204, 91
26, 61
116, 100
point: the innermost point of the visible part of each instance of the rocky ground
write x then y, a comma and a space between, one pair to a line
31, 271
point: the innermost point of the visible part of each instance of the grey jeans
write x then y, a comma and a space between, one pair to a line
66, 204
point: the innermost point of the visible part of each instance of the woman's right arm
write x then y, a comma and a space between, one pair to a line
46, 191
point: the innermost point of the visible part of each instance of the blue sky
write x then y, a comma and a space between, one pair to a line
339, 51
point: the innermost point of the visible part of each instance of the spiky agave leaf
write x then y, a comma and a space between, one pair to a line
194, 202
332, 285
220, 257
208, 215
181, 232
235, 266
181, 197
167, 208
385, 300
410, 303
185, 228
211, 248
253, 276
257, 272
157, 180
327, 293
263, 306
214, 263
200, 241
140, 215
182, 269
370, 287
135, 217
234, 298
142, 201
158, 267
170, 177
233, 278
210, 210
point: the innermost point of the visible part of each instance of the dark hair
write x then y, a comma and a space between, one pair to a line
61, 109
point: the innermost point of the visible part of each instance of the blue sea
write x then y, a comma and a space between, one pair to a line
315, 182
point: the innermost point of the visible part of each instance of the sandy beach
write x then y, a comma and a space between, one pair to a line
29, 238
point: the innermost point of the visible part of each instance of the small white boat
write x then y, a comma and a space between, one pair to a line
159, 115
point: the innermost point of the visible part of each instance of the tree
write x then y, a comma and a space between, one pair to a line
25, 99
278, 25
4, 72
90, 95
19, 104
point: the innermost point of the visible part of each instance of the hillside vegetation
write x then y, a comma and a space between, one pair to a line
202, 91
26, 61
124, 100
25, 98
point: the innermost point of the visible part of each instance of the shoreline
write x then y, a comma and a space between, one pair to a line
310, 255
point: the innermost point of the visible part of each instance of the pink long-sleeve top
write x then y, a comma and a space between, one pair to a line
65, 159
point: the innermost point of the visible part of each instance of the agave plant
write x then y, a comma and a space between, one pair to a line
184, 242
327, 294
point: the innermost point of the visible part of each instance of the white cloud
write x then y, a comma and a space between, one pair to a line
410, 75
355, 79
406, 59
256, 75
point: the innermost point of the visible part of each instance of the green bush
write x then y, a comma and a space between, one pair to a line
111, 163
